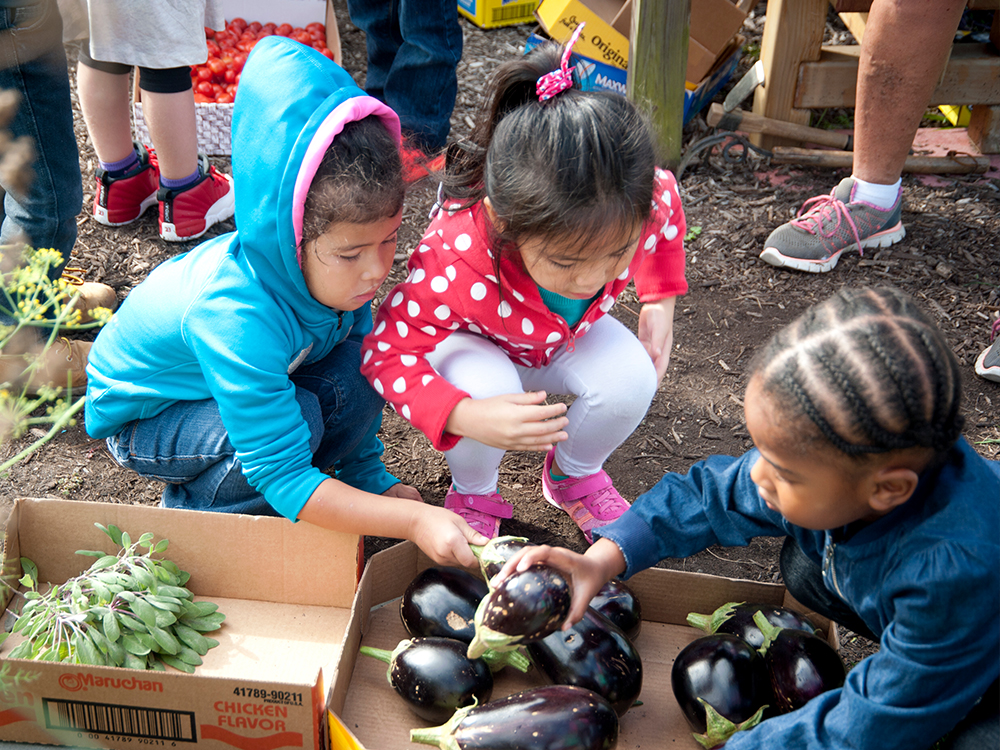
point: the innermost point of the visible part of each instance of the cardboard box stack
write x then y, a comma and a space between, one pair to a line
714, 45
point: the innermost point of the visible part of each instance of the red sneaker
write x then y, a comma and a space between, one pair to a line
122, 200
417, 164
187, 214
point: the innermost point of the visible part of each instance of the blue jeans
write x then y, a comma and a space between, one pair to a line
414, 47
187, 445
33, 63
804, 580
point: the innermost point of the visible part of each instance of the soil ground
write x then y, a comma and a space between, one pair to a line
950, 260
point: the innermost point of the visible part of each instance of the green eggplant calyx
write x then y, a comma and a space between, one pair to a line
443, 736
720, 729
770, 631
497, 660
711, 623
487, 639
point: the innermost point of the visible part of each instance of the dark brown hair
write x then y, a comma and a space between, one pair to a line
359, 180
869, 370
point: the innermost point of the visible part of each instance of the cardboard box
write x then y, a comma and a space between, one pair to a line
599, 76
214, 121
605, 38
372, 715
286, 590
490, 14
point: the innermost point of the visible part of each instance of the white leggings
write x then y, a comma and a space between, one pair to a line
608, 371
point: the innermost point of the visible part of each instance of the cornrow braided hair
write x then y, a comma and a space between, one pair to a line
869, 370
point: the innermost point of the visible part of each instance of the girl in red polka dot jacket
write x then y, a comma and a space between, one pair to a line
543, 218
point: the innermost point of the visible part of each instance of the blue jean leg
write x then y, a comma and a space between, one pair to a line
187, 446
33, 63
414, 48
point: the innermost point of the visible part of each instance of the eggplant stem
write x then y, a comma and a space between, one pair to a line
497, 660
770, 631
379, 653
711, 623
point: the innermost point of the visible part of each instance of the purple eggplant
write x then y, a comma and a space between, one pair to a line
595, 654
737, 618
441, 602
618, 603
556, 717
526, 606
800, 665
721, 685
434, 676
497, 551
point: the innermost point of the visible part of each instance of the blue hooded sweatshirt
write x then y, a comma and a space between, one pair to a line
232, 318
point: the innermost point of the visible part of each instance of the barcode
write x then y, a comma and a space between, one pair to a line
127, 721
510, 12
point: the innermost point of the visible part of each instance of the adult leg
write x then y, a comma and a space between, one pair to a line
608, 406
33, 63
380, 22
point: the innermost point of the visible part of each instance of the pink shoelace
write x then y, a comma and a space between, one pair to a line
825, 208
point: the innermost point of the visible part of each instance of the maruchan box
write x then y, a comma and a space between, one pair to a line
600, 76
490, 14
365, 711
286, 590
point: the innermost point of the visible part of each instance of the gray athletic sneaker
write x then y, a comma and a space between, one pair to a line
988, 364
829, 224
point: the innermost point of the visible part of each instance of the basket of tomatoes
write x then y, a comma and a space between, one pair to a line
215, 82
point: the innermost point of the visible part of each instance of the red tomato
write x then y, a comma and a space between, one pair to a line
213, 49
284, 30
239, 60
204, 73
272, 27
224, 98
204, 88
238, 23
263, 33
230, 76
303, 37
217, 67
255, 26
327, 53
316, 26
217, 89
226, 39
209, 33
202, 99
316, 36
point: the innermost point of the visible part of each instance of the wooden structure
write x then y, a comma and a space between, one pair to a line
800, 74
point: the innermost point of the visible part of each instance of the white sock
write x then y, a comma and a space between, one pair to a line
883, 196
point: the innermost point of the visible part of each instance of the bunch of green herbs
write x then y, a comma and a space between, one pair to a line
127, 610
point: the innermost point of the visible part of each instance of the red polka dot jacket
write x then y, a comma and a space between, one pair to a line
452, 286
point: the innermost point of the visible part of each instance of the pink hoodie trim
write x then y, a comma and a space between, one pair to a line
355, 108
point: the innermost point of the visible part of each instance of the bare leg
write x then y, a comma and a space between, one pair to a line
105, 101
904, 50
173, 130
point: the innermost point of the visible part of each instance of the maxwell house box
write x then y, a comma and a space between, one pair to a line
714, 23
286, 590
598, 76
489, 14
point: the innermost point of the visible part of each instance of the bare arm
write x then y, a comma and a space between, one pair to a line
443, 535
656, 332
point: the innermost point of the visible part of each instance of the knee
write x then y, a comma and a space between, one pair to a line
312, 414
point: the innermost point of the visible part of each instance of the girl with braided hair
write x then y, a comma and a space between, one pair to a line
891, 519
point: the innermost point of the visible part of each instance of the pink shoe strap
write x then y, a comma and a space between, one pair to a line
586, 486
484, 503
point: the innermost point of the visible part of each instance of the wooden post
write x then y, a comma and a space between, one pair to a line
658, 52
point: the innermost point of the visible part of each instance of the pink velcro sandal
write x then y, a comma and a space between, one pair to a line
591, 501
481, 512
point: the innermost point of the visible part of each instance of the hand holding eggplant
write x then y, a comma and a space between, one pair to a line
588, 572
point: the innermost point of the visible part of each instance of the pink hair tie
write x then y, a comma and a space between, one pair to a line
558, 81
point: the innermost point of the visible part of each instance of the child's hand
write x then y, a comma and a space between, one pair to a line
513, 422
656, 332
404, 492
445, 537
588, 572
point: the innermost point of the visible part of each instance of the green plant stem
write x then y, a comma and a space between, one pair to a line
57, 426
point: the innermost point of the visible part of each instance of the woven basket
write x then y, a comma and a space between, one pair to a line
214, 123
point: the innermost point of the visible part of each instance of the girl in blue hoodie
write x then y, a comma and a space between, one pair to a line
232, 373
891, 520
